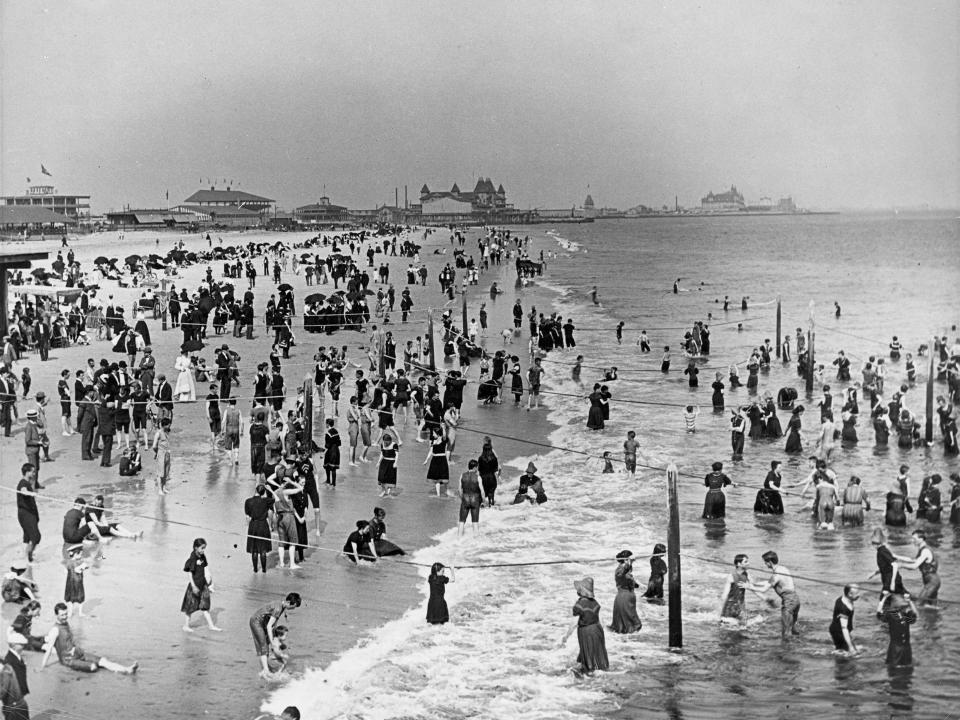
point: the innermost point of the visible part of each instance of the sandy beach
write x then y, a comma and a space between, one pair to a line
135, 589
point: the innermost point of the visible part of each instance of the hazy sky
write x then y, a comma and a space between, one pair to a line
841, 104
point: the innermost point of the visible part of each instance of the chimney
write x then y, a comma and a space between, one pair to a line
396, 197
405, 201
212, 188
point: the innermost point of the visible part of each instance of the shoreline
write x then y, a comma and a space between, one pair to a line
141, 581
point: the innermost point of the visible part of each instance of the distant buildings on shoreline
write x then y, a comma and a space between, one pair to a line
487, 204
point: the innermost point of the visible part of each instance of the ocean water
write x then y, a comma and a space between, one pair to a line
501, 656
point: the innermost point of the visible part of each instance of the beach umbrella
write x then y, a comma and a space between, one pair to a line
155, 258
284, 287
101, 260
306, 256
39, 273
191, 256
57, 266
314, 298
155, 265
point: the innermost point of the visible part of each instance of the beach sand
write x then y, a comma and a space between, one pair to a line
134, 593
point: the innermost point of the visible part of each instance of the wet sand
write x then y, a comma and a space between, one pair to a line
134, 593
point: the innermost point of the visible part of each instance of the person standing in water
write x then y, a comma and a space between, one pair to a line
625, 617
926, 562
590, 637
899, 613
440, 575
781, 582
841, 627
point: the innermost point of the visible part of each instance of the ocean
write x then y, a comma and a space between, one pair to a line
501, 657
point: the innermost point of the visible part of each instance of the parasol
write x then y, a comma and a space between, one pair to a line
101, 260
314, 298
284, 287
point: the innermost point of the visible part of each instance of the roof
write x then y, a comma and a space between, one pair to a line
500, 190
424, 190
484, 185
455, 189
320, 207
222, 211
234, 196
27, 214
459, 197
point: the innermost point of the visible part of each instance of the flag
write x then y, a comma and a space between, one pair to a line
45, 171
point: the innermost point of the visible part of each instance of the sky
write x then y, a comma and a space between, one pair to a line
838, 104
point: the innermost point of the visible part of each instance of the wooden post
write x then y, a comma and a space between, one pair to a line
433, 358
928, 435
381, 366
308, 414
163, 303
778, 339
673, 559
464, 312
4, 313
810, 356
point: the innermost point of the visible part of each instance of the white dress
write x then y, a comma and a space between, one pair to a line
186, 387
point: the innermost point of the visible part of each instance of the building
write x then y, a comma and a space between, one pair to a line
151, 218
213, 199
726, 201
786, 205
322, 211
46, 196
484, 202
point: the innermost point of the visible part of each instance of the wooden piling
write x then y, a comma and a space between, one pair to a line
675, 630
777, 338
931, 372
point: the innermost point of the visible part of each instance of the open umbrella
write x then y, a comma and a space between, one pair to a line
191, 256
191, 346
306, 257
132, 260
39, 273
284, 287
155, 265
335, 300
101, 261
314, 298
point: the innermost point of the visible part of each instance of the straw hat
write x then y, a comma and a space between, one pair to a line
584, 587
624, 555
32, 413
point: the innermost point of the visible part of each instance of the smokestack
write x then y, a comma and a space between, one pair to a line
405, 201
396, 197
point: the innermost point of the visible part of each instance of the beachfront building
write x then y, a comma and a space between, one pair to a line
723, 202
484, 203
46, 196
228, 208
322, 211
150, 219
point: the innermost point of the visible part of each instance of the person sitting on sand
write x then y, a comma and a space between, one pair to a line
60, 639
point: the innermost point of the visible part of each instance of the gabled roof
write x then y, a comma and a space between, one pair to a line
24, 214
424, 190
484, 185
455, 189
232, 196
500, 190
